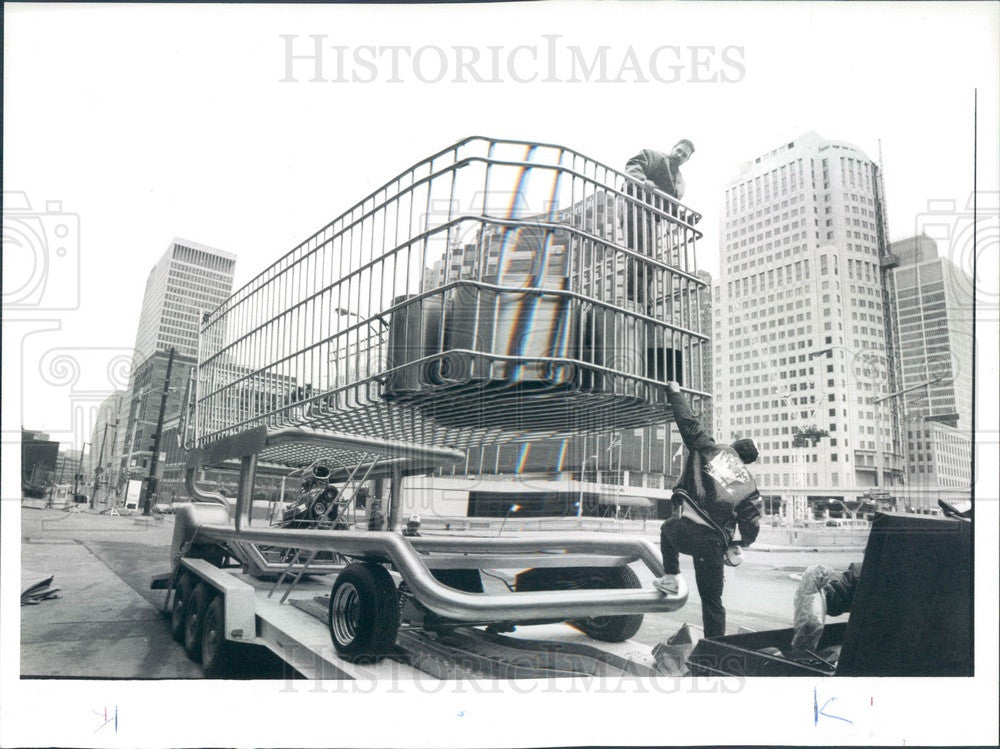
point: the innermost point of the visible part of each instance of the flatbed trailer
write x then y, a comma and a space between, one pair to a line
496, 292
297, 632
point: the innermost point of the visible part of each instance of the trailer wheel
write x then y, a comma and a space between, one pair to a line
194, 617
604, 628
364, 613
219, 656
177, 608
611, 628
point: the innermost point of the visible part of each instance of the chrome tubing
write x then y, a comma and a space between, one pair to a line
200, 495
578, 543
478, 607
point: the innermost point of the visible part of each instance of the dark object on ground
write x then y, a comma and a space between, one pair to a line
40, 591
911, 614
759, 654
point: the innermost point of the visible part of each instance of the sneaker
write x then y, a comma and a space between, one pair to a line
668, 584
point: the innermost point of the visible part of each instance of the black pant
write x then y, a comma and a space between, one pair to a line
708, 572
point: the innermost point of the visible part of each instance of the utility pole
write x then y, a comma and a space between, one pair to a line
151, 480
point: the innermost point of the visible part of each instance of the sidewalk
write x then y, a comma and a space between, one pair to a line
99, 626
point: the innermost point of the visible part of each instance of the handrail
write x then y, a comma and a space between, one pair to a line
429, 160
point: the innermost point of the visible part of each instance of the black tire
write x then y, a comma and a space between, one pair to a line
602, 628
219, 656
194, 616
182, 593
468, 580
364, 613
211, 553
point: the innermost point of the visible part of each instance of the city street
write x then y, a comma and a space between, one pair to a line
107, 621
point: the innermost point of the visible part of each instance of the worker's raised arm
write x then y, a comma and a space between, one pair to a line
692, 432
637, 165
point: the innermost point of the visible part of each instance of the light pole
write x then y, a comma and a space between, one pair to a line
878, 451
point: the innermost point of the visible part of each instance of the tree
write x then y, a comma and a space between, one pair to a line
809, 436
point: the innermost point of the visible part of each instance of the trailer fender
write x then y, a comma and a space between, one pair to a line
238, 599
187, 521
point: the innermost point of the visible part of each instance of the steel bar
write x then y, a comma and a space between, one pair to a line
476, 607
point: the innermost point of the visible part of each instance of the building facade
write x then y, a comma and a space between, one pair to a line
934, 299
104, 454
187, 281
141, 406
39, 456
804, 333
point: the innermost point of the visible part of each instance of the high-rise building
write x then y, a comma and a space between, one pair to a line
803, 351
934, 299
187, 281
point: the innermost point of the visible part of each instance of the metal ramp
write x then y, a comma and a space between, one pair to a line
473, 653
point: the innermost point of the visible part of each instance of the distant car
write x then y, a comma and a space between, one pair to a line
163, 508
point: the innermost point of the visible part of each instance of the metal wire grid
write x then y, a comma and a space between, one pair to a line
497, 290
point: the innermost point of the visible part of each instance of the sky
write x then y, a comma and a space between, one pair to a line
148, 122
132, 124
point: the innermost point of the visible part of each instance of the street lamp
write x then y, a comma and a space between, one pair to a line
878, 452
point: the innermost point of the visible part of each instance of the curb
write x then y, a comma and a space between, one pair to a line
806, 549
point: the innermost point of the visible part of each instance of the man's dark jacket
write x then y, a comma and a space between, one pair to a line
662, 168
715, 478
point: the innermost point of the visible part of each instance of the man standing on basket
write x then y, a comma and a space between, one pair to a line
714, 494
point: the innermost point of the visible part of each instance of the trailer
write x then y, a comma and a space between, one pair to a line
495, 292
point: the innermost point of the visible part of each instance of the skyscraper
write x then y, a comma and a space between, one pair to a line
189, 279
934, 299
803, 352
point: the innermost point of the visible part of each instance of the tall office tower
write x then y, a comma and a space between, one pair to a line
188, 280
934, 299
804, 354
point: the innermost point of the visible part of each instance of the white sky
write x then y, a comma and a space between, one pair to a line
150, 122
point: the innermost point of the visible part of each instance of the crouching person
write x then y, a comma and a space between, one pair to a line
714, 496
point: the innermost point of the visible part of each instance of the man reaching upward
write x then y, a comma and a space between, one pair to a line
715, 493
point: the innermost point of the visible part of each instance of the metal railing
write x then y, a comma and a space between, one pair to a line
405, 557
496, 290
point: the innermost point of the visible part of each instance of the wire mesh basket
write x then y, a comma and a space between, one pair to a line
495, 291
